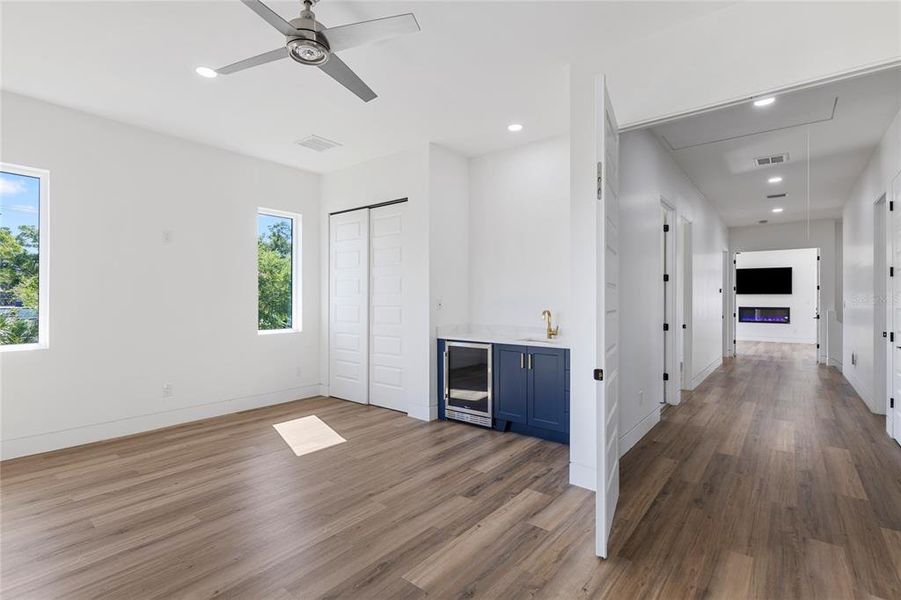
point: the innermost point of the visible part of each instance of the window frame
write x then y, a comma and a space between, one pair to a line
43, 175
296, 270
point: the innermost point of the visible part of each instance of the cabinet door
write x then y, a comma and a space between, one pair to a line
547, 388
510, 381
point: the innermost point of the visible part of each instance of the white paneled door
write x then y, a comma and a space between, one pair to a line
349, 306
607, 390
893, 411
387, 252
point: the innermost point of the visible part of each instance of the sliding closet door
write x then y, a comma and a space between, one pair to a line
349, 306
387, 284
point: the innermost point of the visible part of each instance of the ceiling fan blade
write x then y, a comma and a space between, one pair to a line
269, 15
340, 72
253, 61
367, 32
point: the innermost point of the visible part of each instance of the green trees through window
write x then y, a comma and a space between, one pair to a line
275, 268
19, 258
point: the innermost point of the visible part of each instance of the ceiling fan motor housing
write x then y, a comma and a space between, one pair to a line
309, 46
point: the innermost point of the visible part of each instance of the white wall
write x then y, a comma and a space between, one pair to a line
648, 173
796, 41
130, 312
450, 250
875, 180
824, 234
802, 302
519, 228
403, 175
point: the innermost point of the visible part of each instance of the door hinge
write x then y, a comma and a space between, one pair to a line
817, 317
884, 334
666, 327
733, 342
733, 315
891, 336
891, 205
684, 326
891, 403
666, 228
891, 271
666, 377
666, 277
818, 346
818, 288
818, 258
599, 374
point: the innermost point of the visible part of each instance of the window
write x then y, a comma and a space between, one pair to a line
23, 257
278, 270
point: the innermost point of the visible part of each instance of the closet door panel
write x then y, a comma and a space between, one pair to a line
387, 284
349, 306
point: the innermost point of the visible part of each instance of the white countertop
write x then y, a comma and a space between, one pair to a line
494, 338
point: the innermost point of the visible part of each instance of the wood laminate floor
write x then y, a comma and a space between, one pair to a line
772, 480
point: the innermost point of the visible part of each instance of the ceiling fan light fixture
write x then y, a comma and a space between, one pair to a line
308, 52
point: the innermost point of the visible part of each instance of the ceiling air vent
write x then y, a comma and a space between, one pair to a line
772, 196
317, 143
763, 221
775, 159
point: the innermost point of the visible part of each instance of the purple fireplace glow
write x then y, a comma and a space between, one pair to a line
764, 314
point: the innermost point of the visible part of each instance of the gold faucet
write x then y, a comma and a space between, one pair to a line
551, 331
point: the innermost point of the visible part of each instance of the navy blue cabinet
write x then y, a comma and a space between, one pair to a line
547, 389
511, 383
530, 390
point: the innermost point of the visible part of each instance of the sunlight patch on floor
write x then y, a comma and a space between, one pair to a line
308, 434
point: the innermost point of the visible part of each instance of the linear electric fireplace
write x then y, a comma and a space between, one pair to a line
764, 314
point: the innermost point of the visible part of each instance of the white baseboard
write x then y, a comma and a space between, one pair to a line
582, 476
700, 377
631, 437
832, 362
323, 389
862, 390
778, 340
76, 436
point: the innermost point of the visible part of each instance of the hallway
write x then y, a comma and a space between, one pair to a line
772, 480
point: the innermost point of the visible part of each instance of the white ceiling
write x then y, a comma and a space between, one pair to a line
474, 68
846, 121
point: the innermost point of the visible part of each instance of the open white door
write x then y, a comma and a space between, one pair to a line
893, 409
607, 298
349, 306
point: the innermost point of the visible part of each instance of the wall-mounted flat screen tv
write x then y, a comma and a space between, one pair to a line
767, 280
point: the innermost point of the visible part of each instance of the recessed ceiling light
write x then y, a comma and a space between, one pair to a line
206, 72
777, 210
764, 101
775, 179
514, 127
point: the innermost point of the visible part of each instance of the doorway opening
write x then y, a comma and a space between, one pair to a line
777, 303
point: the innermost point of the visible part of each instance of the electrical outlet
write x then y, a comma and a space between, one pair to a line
439, 304
167, 390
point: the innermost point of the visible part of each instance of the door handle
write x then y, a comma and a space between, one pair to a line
522, 360
530, 361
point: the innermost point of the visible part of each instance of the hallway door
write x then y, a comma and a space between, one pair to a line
893, 411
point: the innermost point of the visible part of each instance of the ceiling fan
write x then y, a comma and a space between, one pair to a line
309, 42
